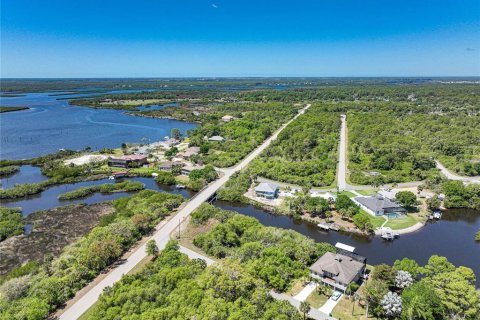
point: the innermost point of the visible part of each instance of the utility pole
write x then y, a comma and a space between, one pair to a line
178, 228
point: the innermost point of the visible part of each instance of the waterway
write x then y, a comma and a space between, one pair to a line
52, 123
452, 237
48, 199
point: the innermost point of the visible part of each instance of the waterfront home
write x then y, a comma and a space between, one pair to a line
227, 118
266, 190
338, 270
187, 153
168, 143
379, 205
130, 161
216, 139
167, 166
188, 168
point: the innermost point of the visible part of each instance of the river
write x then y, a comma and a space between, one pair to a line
452, 237
52, 123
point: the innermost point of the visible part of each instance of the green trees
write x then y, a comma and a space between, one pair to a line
174, 287
56, 282
444, 291
316, 205
176, 134
457, 195
433, 203
151, 248
305, 152
406, 198
11, 222
8, 170
273, 255
165, 178
305, 308
198, 178
125, 186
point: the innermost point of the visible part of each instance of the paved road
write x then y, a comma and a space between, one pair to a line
342, 156
453, 176
342, 166
163, 230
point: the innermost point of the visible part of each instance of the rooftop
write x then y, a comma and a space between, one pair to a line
266, 187
378, 203
343, 268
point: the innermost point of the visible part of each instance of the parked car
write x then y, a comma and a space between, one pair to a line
336, 295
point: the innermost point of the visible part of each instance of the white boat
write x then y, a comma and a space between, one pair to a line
180, 186
437, 215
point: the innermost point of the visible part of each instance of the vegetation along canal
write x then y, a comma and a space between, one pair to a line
451, 237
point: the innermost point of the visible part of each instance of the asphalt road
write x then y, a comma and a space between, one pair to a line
162, 233
453, 176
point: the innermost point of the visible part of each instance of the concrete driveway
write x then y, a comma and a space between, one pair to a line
327, 308
303, 295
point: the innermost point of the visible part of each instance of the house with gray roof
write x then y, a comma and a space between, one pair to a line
379, 205
338, 270
266, 190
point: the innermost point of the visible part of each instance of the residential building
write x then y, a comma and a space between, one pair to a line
130, 161
187, 153
266, 190
338, 270
188, 168
379, 205
167, 166
216, 139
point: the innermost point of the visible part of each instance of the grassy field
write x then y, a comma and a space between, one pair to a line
348, 193
343, 310
367, 192
376, 221
317, 300
401, 223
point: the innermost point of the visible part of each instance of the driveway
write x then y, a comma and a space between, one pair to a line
327, 308
303, 295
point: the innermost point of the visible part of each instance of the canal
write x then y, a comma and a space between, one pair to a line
452, 237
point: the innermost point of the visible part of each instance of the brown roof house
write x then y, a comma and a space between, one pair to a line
338, 270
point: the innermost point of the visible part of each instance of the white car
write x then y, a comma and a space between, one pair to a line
335, 296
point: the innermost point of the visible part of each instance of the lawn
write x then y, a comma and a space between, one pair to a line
343, 310
376, 221
297, 286
317, 300
401, 223
348, 193
367, 192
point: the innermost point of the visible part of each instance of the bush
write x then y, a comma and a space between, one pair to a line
165, 178
8, 170
11, 222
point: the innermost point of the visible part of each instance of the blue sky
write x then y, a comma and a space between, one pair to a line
155, 38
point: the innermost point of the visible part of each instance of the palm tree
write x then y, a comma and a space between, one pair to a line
305, 308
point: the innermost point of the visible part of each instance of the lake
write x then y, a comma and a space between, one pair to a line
452, 237
52, 124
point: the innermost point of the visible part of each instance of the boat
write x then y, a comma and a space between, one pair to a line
180, 186
437, 215
389, 234
323, 226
